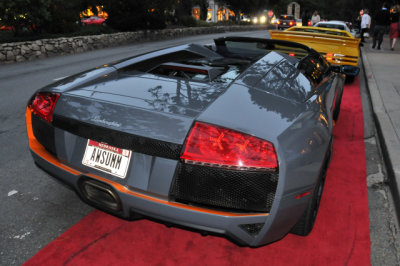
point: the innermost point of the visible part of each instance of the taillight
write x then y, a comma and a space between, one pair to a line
291, 54
43, 105
329, 56
291, 23
279, 22
309, 23
221, 147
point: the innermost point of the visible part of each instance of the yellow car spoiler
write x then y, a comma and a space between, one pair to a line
339, 47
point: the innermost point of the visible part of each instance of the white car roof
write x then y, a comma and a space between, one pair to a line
334, 22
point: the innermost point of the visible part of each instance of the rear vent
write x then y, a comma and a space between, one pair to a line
44, 133
252, 229
192, 72
231, 190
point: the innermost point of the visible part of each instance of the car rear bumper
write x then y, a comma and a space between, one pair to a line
229, 224
253, 229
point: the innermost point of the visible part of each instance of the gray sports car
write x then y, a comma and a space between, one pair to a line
232, 138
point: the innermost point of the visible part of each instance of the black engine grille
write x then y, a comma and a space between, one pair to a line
222, 188
44, 133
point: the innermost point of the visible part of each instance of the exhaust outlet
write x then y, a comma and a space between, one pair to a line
100, 194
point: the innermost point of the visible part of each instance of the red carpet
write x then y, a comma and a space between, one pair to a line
340, 235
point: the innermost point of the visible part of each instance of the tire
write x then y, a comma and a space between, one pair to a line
350, 79
305, 224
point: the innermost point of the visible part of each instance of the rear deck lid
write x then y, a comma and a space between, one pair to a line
144, 104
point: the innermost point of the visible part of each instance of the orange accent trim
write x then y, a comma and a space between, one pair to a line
41, 151
123, 189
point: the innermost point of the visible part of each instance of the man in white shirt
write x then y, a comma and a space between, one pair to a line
365, 24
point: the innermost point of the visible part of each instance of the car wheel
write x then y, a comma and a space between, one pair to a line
306, 222
350, 79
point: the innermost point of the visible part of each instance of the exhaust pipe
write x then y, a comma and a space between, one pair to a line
100, 194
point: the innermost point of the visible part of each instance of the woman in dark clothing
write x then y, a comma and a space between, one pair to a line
394, 30
382, 20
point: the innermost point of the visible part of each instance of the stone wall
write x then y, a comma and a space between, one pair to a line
25, 51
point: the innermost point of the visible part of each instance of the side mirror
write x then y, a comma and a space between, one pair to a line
350, 70
336, 68
347, 70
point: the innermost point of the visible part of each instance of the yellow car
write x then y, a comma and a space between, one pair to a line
339, 47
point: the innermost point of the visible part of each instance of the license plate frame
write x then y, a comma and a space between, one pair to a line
106, 158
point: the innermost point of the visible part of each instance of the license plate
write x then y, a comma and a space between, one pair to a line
284, 23
106, 158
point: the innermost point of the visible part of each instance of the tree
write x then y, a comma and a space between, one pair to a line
203, 4
54, 16
64, 16
23, 14
239, 6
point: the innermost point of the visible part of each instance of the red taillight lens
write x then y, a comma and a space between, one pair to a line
279, 23
43, 105
222, 147
291, 23
309, 23
329, 56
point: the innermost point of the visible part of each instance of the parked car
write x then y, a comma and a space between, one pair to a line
93, 20
286, 21
233, 138
339, 47
335, 24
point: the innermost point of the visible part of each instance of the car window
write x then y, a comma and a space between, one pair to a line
286, 17
286, 81
314, 67
246, 49
330, 26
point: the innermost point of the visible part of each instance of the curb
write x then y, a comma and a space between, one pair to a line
388, 139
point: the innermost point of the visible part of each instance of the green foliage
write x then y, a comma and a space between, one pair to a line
64, 16
183, 8
54, 16
203, 4
187, 21
129, 15
8, 36
23, 14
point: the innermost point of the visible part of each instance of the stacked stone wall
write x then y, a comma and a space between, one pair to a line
26, 51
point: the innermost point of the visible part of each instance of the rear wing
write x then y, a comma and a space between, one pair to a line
254, 48
337, 46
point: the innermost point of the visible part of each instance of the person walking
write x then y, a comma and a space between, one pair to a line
365, 24
382, 20
315, 18
394, 27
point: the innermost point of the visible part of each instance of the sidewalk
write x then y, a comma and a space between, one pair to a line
382, 74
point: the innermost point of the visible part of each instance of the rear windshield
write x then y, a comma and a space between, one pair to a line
330, 26
287, 17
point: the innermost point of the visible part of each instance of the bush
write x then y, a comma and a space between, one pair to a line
8, 36
187, 21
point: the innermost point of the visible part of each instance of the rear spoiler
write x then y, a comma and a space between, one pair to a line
343, 48
245, 47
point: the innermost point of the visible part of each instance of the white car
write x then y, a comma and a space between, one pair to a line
335, 24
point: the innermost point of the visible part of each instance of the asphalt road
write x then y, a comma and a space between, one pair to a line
35, 209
